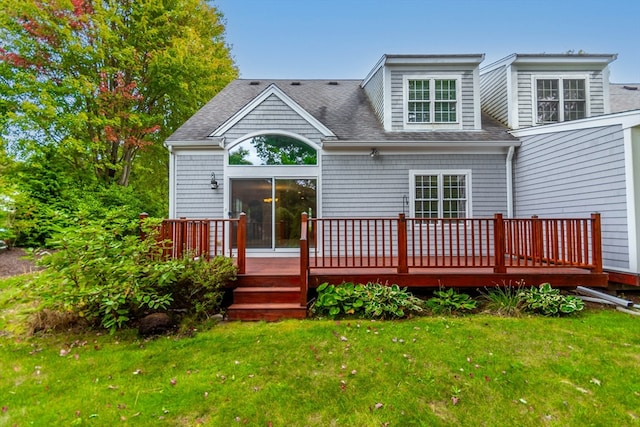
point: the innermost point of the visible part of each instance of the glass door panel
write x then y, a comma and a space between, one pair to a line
292, 197
254, 198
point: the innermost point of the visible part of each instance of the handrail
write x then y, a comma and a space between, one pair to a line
205, 237
498, 243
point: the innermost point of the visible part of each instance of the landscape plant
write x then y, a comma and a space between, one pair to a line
371, 300
106, 274
450, 301
548, 301
504, 300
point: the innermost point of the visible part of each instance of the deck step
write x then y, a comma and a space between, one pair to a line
265, 295
268, 280
266, 311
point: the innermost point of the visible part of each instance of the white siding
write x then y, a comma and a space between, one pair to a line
357, 185
194, 196
574, 174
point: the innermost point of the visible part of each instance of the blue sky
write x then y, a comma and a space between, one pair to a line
343, 39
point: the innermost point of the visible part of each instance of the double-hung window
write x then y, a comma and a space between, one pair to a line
441, 194
432, 100
560, 99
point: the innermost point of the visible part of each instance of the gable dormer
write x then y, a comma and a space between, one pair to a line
426, 92
524, 90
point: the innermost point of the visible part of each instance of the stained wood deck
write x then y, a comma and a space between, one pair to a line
267, 269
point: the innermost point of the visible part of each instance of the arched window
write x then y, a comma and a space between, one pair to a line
272, 150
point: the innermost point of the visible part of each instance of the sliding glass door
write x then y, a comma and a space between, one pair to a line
273, 207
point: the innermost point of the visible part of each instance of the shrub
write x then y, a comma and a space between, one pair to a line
199, 288
548, 301
450, 301
373, 300
105, 273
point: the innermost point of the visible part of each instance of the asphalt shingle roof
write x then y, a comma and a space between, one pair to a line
624, 97
341, 105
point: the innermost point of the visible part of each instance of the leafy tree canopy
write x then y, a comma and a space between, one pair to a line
103, 80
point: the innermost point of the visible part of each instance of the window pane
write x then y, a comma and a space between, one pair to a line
574, 94
272, 150
548, 97
418, 90
426, 202
445, 112
454, 203
445, 90
418, 112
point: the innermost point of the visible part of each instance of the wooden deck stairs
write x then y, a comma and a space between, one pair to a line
267, 297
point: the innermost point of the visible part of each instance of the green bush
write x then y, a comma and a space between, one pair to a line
450, 301
103, 272
199, 288
548, 301
373, 300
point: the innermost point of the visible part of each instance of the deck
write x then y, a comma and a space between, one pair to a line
411, 252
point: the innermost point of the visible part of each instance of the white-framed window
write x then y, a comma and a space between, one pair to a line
560, 99
431, 100
441, 194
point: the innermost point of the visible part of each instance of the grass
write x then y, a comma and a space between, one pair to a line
475, 370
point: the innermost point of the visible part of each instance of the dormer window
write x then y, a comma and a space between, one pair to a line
431, 100
560, 99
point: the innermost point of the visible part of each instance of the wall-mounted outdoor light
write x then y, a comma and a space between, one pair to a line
214, 183
374, 153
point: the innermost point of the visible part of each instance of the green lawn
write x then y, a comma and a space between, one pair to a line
476, 370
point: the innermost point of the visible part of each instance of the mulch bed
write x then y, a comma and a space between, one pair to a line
12, 263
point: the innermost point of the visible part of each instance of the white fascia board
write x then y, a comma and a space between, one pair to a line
272, 90
404, 147
504, 62
215, 143
474, 59
603, 59
627, 119
374, 70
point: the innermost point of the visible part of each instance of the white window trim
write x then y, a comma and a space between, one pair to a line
440, 173
431, 125
560, 78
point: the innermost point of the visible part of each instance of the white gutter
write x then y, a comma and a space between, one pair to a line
509, 167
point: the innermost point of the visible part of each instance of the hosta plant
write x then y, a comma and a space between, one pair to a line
549, 301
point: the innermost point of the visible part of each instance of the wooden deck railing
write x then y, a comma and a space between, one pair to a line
412, 243
206, 237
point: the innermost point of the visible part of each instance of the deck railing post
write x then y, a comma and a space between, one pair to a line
498, 244
536, 240
242, 243
402, 244
304, 258
596, 242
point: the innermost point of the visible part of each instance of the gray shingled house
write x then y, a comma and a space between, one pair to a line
431, 136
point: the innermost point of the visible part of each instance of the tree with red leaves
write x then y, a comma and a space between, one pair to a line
103, 83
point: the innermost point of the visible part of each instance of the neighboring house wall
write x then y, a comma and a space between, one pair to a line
573, 174
194, 196
357, 185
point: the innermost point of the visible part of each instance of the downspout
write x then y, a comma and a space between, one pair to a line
509, 167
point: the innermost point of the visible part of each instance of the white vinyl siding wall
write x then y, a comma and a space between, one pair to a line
356, 185
194, 196
574, 174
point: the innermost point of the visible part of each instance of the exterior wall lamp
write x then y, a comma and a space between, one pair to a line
374, 153
214, 183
